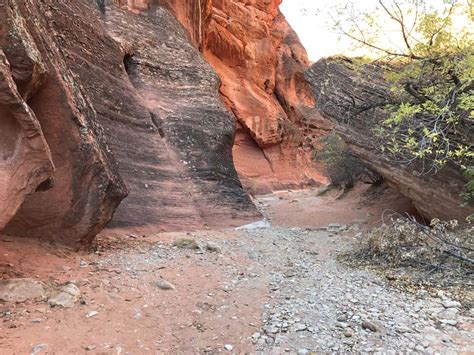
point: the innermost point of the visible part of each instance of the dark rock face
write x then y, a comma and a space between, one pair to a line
344, 97
182, 176
158, 132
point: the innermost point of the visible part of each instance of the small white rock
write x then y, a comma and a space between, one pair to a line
164, 285
36, 349
451, 304
91, 314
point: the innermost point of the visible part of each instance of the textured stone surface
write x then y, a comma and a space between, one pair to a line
86, 185
25, 159
158, 131
119, 100
20, 290
261, 63
182, 176
341, 94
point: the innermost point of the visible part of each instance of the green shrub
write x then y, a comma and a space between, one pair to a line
343, 167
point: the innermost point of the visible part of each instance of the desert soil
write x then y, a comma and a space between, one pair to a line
272, 287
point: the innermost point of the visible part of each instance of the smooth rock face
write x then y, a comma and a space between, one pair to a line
341, 94
87, 187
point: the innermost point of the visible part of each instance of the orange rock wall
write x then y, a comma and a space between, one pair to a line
261, 62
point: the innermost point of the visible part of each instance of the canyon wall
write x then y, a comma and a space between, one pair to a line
352, 101
261, 64
58, 178
103, 103
132, 113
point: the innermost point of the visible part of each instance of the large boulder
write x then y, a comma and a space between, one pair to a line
352, 98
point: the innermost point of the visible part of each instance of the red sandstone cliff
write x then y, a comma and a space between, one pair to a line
97, 106
261, 64
353, 101
104, 99
57, 176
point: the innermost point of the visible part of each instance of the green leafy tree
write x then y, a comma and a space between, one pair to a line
427, 49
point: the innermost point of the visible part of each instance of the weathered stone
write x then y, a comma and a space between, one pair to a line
182, 177
25, 158
87, 187
348, 333
186, 243
67, 296
261, 62
21, 290
370, 326
228, 347
451, 304
38, 348
345, 97
213, 247
92, 101
91, 314
164, 285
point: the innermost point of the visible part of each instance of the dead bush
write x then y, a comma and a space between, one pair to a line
440, 256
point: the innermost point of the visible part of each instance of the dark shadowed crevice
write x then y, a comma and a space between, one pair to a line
101, 5
46, 185
129, 64
158, 122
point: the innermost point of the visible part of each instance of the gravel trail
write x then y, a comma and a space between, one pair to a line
261, 289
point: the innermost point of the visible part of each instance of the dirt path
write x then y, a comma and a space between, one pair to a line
273, 289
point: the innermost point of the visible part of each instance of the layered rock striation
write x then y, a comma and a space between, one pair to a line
99, 103
261, 64
58, 178
353, 101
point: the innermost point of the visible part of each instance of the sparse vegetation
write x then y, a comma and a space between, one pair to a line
343, 167
429, 56
440, 256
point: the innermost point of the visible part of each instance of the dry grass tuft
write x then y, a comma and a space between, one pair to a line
438, 257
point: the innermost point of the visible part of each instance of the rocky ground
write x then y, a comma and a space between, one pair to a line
270, 287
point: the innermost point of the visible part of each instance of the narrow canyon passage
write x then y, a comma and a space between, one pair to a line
167, 186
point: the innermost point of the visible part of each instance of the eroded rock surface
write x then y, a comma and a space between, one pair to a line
21, 290
261, 63
25, 159
182, 175
117, 102
345, 97
87, 187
